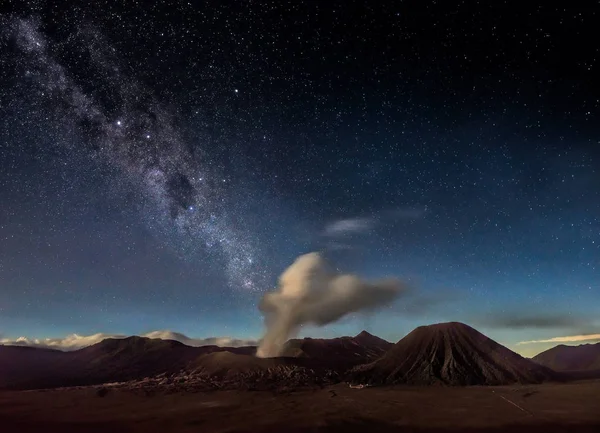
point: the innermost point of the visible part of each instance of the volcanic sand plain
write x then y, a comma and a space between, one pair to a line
551, 407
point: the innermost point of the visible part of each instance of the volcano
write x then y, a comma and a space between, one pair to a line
339, 353
451, 354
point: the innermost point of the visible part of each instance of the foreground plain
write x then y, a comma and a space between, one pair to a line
572, 407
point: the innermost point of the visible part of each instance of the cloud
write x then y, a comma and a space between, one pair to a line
70, 342
75, 341
350, 225
363, 224
516, 320
199, 342
568, 339
311, 293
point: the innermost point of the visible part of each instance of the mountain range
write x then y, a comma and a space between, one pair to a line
447, 354
585, 357
75, 341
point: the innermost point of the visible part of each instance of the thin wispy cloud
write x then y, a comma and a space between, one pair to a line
567, 339
349, 225
364, 224
75, 341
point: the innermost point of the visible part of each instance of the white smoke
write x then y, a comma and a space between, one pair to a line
311, 293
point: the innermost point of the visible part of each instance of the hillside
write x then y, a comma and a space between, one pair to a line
343, 352
110, 360
585, 357
27, 366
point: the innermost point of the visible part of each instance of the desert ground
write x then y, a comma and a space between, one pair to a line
569, 407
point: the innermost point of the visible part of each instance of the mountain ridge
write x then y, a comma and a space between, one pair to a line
584, 357
448, 353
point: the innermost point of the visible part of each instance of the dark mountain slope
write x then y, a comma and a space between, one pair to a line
340, 353
585, 357
111, 360
27, 366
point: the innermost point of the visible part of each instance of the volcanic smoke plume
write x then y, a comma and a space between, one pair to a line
311, 293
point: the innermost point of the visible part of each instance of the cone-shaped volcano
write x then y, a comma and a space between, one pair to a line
453, 354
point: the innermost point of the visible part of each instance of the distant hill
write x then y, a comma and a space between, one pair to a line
452, 354
27, 367
110, 360
374, 343
342, 352
585, 357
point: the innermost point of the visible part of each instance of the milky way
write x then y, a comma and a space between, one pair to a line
123, 124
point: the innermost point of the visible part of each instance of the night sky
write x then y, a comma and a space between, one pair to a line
161, 163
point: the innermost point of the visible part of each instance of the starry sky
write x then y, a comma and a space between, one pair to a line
161, 163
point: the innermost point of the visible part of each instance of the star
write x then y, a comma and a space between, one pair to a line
129, 169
